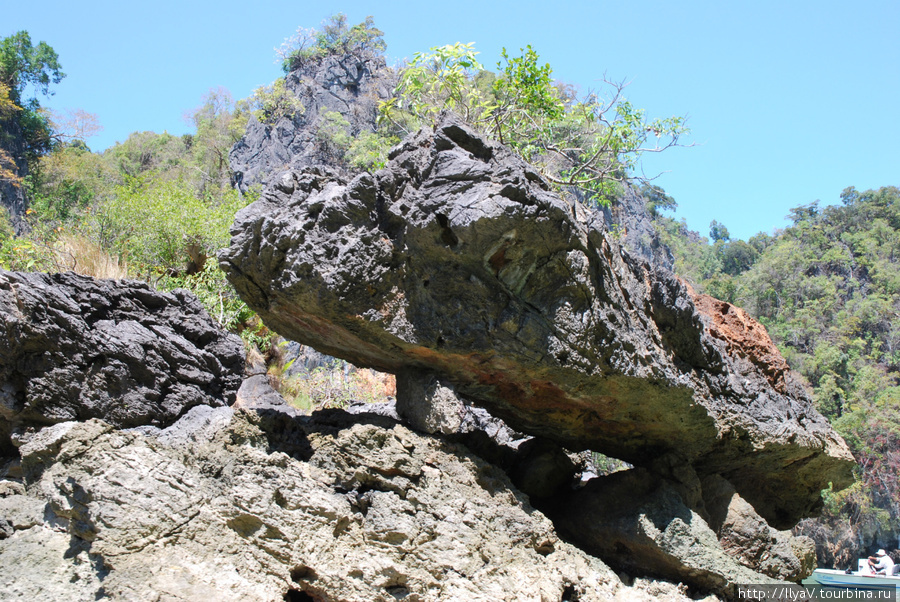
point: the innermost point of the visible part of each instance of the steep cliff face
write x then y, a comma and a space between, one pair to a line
459, 261
12, 194
348, 85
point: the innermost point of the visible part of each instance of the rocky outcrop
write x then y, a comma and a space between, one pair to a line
12, 159
458, 260
642, 524
629, 221
75, 348
348, 85
369, 511
745, 536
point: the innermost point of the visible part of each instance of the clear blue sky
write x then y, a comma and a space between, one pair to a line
788, 101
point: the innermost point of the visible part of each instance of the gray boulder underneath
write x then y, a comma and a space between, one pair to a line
640, 524
372, 513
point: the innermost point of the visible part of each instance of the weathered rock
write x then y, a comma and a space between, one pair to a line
458, 260
12, 157
640, 524
373, 514
428, 404
541, 468
629, 221
74, 348
257, 393
350, 85
745, 536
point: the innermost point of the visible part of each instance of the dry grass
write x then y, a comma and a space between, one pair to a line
87, 258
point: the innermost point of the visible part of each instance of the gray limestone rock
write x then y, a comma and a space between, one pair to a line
373, 513
349, 85
74, 348
747, 537
640, 523
458, 260
428, 404
12, 194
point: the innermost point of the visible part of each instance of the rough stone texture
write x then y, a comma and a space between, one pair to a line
458, 260
629, 219
257, 393
368, 513
350, 85
428, 404
744, 535
542, 468
640, 524
74, 348
12, 195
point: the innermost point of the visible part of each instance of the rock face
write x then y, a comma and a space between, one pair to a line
458, 260
349, 85
631, 222
12, 195
75, 348
643, 523
370, 511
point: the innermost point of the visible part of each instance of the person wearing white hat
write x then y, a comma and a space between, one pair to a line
881, 563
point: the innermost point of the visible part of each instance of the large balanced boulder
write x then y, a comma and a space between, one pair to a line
457, 259
75, 348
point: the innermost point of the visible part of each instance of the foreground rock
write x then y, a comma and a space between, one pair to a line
457, 260
363, 512
75, 348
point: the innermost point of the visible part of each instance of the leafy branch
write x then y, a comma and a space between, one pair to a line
589, 145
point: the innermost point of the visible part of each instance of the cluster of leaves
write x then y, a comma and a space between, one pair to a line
334, 38
590, 145
25, 67
365, 151
270, 103
827, 288
154, 207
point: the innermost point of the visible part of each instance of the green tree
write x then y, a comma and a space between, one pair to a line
24, 66
335, 37
219, 123
590, 146
718, 232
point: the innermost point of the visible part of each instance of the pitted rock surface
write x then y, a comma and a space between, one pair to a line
457, 259
75, 348
371, 513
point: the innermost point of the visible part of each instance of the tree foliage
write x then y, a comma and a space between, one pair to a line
590, 145
335, 37
24, 67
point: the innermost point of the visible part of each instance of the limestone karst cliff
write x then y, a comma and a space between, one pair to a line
12, 160
140, 461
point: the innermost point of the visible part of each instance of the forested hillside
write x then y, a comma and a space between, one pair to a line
157, 207
828, 290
